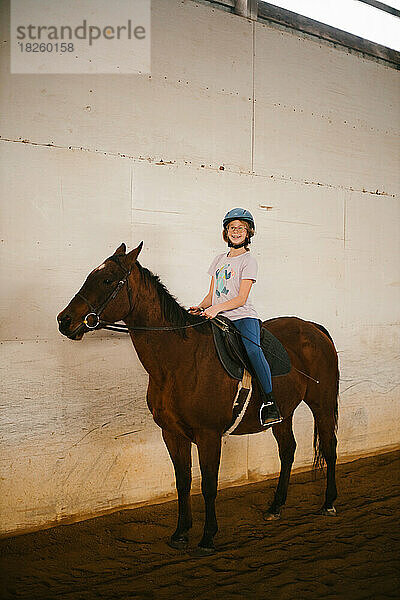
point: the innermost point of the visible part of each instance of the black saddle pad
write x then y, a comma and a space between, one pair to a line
233, 356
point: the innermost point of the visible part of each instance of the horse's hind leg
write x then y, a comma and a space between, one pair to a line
283, 433
331, 491
325, 446
179, 449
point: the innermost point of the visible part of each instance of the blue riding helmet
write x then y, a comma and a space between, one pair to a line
238, 213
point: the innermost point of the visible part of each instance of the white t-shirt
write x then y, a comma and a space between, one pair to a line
227, 273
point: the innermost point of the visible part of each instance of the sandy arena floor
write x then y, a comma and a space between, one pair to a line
302, 557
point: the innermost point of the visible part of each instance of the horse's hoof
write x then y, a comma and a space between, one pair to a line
268, 516
178, 544
205, 551
328, 512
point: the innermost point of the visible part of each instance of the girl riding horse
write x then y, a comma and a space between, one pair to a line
233, 274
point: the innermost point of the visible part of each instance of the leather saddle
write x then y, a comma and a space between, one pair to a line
233, 355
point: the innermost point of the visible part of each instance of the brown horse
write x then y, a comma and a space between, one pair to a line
191, 396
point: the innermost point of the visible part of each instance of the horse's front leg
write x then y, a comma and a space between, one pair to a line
209, 447
179, 449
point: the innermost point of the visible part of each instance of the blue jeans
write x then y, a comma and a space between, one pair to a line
251, 329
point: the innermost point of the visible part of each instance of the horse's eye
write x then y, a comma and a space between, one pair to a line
107, 281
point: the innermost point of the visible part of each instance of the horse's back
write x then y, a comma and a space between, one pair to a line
293, 327
305, 339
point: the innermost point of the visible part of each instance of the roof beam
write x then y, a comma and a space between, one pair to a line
287, 18
382, 6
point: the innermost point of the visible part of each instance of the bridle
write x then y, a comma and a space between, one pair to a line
93, 321
100, 324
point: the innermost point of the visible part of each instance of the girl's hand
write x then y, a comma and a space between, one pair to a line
212, 312
196, 310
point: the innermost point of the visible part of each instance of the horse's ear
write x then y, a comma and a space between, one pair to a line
121, 249
133, 254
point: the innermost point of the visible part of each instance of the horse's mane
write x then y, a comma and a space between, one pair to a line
176, 314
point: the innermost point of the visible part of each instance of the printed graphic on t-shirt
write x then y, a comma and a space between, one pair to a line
221, 279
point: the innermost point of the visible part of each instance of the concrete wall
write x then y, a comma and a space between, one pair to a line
306, 136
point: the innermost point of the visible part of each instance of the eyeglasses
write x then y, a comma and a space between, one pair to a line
239, 229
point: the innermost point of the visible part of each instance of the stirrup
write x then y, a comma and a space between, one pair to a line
273, 420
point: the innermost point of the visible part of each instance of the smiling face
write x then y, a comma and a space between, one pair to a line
237, 231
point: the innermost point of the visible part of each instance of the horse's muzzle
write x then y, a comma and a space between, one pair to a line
64, 326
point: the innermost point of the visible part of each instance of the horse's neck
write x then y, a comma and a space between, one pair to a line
159, 351
147, 311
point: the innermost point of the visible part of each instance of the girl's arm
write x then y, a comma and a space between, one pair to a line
240, 299
206, 302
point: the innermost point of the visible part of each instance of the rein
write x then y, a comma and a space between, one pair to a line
126, 329
221, 324
99, 324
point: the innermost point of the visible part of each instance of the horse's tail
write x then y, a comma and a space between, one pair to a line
319, 460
